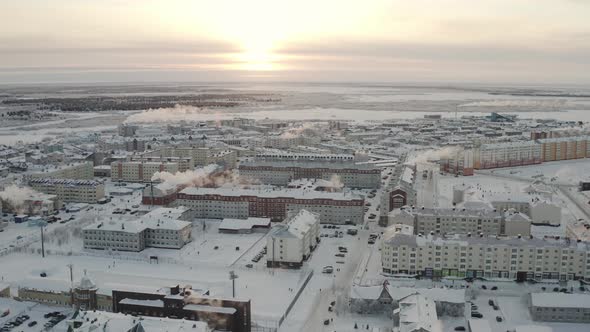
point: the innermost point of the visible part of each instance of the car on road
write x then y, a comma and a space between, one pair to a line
328, 269
339, 255
327, 322
340, 262
33, 323
460, 328
491, 302
498, 319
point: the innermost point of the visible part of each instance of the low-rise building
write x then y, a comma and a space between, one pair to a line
517, 258
161, 228
416, 313
559, 307
68, 191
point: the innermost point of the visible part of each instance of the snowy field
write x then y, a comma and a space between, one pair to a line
121, 273
568, 172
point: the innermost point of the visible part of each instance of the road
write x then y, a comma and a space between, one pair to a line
427, 189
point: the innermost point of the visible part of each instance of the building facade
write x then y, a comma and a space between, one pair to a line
70, 191
292, 242
160, 228
281, 173
220, 203
138, 171
507, 154
487, 257
559, 307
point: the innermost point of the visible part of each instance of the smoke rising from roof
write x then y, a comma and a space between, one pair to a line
14, 197
208, 176
178, 113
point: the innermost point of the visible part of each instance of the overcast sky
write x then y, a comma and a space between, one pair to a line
488, 41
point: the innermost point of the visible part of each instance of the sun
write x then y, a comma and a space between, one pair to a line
257, 57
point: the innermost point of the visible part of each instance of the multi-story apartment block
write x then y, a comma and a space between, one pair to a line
459, 163
399, 191
291, 243
464, 221
559, 307
76, 171
161, 228
565, 148
219, 203
77, 191
138, 171
201, 156
518, 258
308, 157
507, 154
280, 173
184, 163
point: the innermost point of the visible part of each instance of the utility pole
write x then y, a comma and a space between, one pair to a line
71, 266
233, 276
42, 243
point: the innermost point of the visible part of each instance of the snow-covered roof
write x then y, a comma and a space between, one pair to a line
270, 193
116, 322
237, 224
146, 303
417, 312
436, 294
560, 300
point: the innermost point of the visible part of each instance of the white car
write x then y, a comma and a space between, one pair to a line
328, 269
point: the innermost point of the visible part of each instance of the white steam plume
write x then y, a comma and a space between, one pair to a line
423, 156
13, 197
208, 176
305, 127
177, 113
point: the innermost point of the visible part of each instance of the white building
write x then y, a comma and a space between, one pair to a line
463, 221
280, 173
137, 171
507, 154
161, 228
416, 313
545, 213
292, 242
77, 171
478, 256
560, 307
68, 191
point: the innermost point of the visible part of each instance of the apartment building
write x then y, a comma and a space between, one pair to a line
76, 171
238, 203
464, 221
458, 163
308, 157
559, 307
201, 156
280, 173
291, 242
184, 163
399, 191
70, 191
507, 154
139, 171
517, 258
161, 228
565, 148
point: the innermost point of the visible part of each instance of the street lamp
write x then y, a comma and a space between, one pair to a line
233, 276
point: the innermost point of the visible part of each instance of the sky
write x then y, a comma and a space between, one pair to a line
487, 41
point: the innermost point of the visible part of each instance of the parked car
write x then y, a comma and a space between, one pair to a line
498, 319
339, 255
328, 269
476, 315
460, 328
